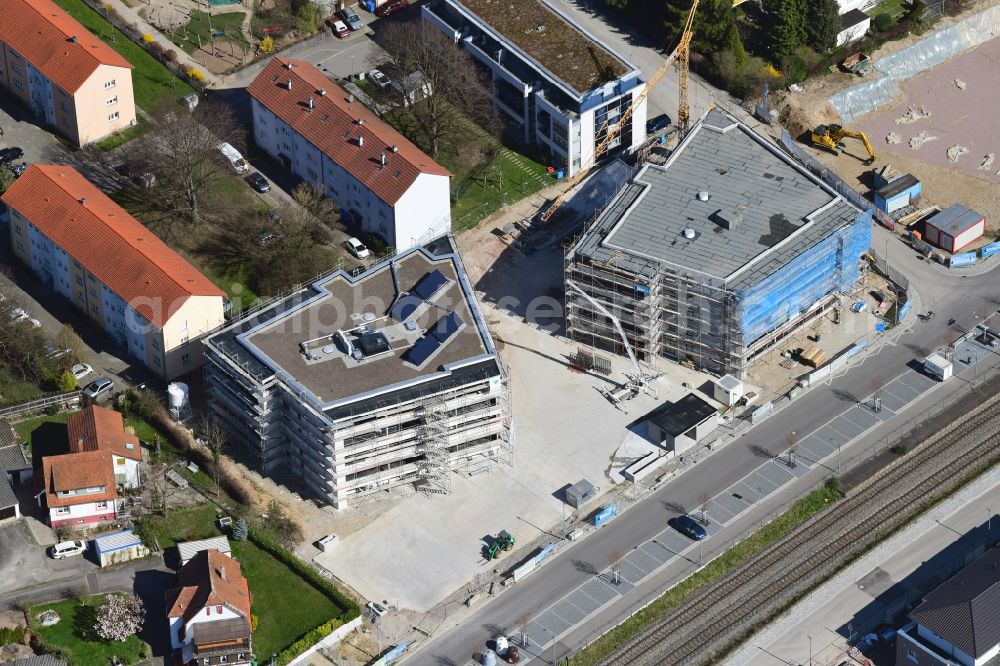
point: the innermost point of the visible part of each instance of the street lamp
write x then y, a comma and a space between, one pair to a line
810, 650
553, 643
274, 655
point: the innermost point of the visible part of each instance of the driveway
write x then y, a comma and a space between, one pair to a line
19, 553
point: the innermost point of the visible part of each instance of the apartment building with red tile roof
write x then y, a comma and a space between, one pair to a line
89, 249
68, 77
383, 183
209, 611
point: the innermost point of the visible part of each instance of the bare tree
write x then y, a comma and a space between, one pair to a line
704, 497
213, 433
614, 560
320, 207
68, 339
453, 84
877, 383
181, 152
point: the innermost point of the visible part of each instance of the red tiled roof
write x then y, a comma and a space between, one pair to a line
44, 34
209, 579
324, 126
73, 471
100, 429
107, 241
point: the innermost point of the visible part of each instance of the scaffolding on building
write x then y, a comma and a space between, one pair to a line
435, 468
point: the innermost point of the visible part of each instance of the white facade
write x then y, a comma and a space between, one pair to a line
126, 471
853, 33
85, 512
207, 614
422, 214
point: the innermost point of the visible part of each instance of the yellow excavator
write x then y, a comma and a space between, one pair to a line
832, 137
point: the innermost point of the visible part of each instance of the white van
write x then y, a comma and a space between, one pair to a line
234, 158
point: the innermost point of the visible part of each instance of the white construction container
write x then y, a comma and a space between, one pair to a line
938, 367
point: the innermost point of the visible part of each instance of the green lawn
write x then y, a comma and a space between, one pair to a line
286, 605
121, 138
15, 391
24, 429
150, 79
183, 525
756, 543
75, 635
894, 8
187, 36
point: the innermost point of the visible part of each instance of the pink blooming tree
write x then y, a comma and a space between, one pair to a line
119, 617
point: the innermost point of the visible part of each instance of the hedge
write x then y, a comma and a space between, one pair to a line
307, 641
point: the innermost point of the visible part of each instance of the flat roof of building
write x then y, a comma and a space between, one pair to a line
347, 339
955, 219
552, 40
898, 186
727, 204
676, 418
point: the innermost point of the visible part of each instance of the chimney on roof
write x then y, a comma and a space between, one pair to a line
395, 148
361, 121
72, 39
312, 103
382, 160
288, 65
350, 98
288, 84
322, 92
83, 201
361, 141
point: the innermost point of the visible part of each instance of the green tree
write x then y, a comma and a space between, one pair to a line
712, 26
66, 382
788, 26
736, 47
823, 24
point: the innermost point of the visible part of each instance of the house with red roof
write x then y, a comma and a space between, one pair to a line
81, 487
209, 612
83, 245
73, 81
382, 182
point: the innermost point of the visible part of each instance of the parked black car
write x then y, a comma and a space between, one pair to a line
258, 182
689, 527
10, 154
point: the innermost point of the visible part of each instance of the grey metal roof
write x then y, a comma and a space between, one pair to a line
955, 219
12, 455
7, 434
762, 209
965, 610
7, 496
107, 543
897, 186
39, 660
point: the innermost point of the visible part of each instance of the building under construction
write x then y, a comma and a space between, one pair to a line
716, 256
358, 384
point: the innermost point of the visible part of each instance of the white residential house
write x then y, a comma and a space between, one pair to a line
209, 612
382, 183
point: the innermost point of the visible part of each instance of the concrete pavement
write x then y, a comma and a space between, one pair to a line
976, 297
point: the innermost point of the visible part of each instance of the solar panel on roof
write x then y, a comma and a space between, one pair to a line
429, 284
422, 350
446, 327
404, 307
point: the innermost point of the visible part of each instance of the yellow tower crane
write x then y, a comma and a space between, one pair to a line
681, 56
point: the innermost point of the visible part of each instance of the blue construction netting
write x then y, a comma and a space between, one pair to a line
831, 265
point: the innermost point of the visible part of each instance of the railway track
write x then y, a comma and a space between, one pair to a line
710, 624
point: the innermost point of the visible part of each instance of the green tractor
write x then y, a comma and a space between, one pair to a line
504, 541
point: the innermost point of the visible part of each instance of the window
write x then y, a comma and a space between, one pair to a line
100, 505
218, 609
119, 461
62, 510
112, 116
79, 280
19, 84
156, 343
224, 659
912, 656
93, 292
17, 229
186, 359
109, 84
241, 656
62, 105
157, 361
17, 68
112, 100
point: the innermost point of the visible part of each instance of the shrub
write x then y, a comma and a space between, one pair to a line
119, 617
898, 449
66, 382
882, 22
254, 621
307, 641
148, 38
796, 69
195, 75
10, 635
170, 55
52, 410
266, 45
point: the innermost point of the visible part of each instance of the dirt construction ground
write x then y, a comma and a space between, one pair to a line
964, 117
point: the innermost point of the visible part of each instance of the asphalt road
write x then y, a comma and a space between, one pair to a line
951, 296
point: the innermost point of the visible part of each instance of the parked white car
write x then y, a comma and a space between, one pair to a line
65, 549
357, 248
81, 370
378, 78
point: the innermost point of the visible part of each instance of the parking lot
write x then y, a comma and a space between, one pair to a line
19, 553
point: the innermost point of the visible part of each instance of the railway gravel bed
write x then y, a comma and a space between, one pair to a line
713, 622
